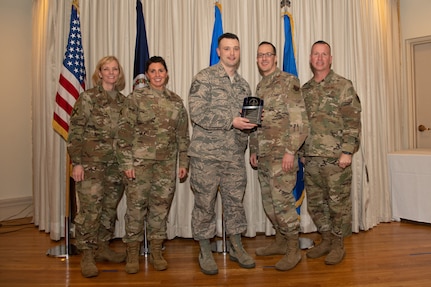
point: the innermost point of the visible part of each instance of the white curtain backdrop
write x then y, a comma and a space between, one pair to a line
365, 40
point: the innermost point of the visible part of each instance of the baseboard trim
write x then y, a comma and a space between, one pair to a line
15, 208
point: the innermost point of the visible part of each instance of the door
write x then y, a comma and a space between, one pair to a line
421, 63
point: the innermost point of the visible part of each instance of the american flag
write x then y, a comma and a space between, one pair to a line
72, 76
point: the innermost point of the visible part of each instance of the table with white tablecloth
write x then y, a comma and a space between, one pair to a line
410, 183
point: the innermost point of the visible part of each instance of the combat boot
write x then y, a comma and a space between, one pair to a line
156, 257
293, 254
133, 249
206, 259
337, 252
238, 254
88, 265
104, 253
322, 248
277, 247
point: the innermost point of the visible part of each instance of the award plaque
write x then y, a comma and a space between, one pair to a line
252, 110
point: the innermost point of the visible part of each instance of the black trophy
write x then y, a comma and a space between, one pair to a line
252, 110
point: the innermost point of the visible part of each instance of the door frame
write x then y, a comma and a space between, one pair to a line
411, 91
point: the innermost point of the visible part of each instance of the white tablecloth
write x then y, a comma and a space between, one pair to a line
410, 183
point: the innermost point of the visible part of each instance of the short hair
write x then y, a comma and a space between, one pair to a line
121, 82
268, 43
321, 42
227, 36
155, 59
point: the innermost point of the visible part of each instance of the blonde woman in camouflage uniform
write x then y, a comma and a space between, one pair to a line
334, 112
91, 146
217, 153
153, 132
275, 144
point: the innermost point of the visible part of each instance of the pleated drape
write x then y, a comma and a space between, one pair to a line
365, 40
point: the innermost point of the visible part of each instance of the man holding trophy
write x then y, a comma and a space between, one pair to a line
217, 153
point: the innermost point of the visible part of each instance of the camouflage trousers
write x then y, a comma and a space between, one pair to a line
277, 194
98, 196
208, 177
149, 198
328, 188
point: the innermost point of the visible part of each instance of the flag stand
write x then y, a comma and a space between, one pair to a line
305, 243
221, 246
145, 247
68, 248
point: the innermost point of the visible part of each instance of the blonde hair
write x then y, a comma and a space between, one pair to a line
121, 82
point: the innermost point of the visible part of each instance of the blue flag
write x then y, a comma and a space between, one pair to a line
289, 65
141, 49
217, 32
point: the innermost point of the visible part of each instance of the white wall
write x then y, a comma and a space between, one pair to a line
415, 19
15, 106
16, 99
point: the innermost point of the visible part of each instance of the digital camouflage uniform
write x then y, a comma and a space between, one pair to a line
284, 129
217, 150
334, 112
91, 143
153, 130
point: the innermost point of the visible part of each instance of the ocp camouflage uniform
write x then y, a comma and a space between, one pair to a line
217, 151
284, 129
91, 143
334, 112
153, 130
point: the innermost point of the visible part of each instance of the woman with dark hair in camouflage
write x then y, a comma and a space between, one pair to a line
153, 133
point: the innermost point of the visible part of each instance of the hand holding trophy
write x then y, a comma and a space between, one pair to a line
252, 109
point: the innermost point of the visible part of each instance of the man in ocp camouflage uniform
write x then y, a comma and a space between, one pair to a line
217, 152
334, 112
273, 149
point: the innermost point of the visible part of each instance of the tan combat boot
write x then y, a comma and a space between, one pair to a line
293, 254
322, 248
206, 259
156, 257
133, 249
104, 253
337, 252
238, 254
88, 265
277, 247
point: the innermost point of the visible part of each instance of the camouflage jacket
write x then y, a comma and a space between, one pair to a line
214, 101
153, 125
285, 123
334, 112
93, 127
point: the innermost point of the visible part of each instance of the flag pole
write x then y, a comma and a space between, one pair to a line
140, 81
67, 208
220, 246
289, 65
73, 77
66, 249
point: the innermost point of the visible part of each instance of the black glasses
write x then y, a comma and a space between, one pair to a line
261, 55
